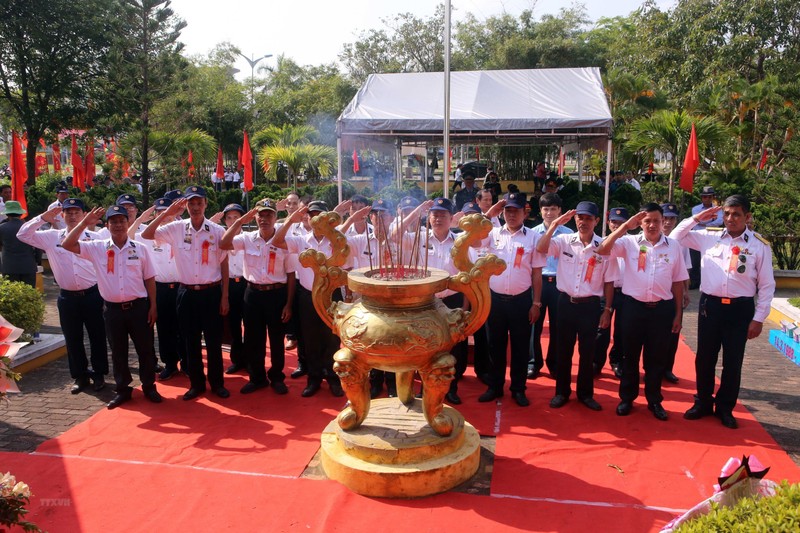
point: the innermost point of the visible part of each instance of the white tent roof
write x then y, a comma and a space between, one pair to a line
544, 104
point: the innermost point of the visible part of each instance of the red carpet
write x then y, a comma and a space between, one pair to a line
235, 464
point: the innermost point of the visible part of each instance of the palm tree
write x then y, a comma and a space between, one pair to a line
669, 131
291, 146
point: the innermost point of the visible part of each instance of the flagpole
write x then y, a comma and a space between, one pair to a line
446, 177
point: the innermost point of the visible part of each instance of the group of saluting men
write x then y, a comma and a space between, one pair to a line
183, 275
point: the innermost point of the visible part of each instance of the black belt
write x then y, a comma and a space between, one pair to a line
508, 297
125, 305
171, 285
649, 305
728, 301
84, 292
549, 279
200, 287
583, 300
265, 287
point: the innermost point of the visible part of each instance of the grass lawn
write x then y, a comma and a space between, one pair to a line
795, 302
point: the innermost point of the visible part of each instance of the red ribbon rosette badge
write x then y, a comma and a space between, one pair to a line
110, 261
518, 257
734, 258
271, 263
206, 246
590, 268
642, 258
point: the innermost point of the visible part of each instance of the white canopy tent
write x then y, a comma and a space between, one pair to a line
531, 107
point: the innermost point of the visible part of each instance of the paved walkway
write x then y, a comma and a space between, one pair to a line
46, 409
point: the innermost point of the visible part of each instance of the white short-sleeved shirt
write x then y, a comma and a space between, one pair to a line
121, 272
518, 250
162, 259
197, 253
582, 272
439, 257
721, 276
235, 264
661, 265
263, 263
72, 273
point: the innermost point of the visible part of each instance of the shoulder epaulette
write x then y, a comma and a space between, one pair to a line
715, 229
762, 239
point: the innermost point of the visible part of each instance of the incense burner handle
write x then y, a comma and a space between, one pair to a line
473, 278
328, 274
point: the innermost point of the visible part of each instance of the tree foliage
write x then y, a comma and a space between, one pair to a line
49, 59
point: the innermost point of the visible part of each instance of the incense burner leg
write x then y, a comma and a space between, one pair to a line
436, 378
405, 389
354, 376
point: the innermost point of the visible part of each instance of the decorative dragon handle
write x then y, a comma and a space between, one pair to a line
473, 279
328, 274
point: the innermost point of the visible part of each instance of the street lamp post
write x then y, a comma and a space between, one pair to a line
253, 62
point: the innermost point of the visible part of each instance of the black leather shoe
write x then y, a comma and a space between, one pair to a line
250, 387
490, 395
167, 373
658, 411
280, 387
484, 378
727, 420
520, 398
559, 400
533, 373
158, 368
118, 400
80, 384
391, 391
153, 396
375, 391
591, 403
672, 378
617, 371
624, 408
98, 383
192, 393
697, 412
310, 390
298, 373
222, 392
234, 368
452, 398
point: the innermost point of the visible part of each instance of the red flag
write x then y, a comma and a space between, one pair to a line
18, 173
191, 164
690, 163
763, 162
356, 166
239, 160
89, 168
56, 157
220, 166
651, 168
126, 168
41, 164
41, 141
77, 167
247, 163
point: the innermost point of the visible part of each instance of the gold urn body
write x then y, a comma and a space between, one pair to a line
399, 325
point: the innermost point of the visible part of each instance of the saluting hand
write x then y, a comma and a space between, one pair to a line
94, 216
635, 221
177, 208
50, 215
362, 213
563, 219
297, 216
249, 216
707, 215
217, 217
281, 205
343, 207
148, 214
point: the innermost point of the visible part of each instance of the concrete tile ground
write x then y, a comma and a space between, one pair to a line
46, 409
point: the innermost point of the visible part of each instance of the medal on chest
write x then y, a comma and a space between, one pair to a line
642, 258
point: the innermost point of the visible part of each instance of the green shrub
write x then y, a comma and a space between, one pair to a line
21, 304
775, 514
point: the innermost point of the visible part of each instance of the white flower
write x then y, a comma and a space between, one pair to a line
21, 490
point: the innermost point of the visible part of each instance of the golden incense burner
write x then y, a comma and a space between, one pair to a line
398, 324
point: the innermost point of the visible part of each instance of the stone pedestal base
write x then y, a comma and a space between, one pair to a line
396, 454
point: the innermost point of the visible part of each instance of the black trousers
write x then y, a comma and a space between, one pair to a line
576, 321
459, 351
601, 352
29, 278
550, 306
124, 321
721, 325
672, 350
508, 320
198, 315
482, 357
170, 346
694, 272
236, 290
262, 317
77, 309
647, 331
318, 341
